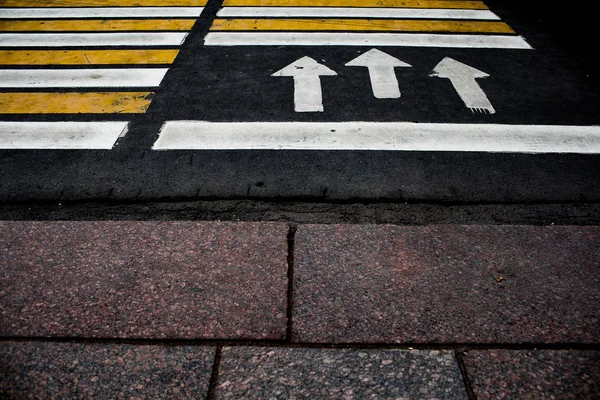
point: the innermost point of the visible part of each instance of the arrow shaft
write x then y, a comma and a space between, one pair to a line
384, 82
471, 94
308, 96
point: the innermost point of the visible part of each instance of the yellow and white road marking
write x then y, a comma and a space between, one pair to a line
133, 39
41, 32
364, 39
61, 135
110, 25
367, 25
100, 12
341, 12
417, 23
80, 78
385, 136
458, 4
103, 3
83, 57
75, 102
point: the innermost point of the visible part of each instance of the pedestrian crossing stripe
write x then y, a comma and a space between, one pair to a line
157, 24
364, 39
364, 12
83, 57
416, 23
75, 102
81, 78
86, 39
100, 12
359, 25
98, 25
103, 3
97, 135
474, 5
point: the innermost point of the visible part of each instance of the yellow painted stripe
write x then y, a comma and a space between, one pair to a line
472, 5
359, 25
99, 25
75, 103
102, 3
83, 57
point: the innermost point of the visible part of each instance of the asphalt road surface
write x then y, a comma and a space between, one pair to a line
496, 105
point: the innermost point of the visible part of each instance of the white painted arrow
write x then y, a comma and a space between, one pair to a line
463, 78
381, 71
308, 96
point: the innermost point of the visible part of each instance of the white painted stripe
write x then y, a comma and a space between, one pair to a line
100, 12
61, 135
92, 39
406, 136
61, 78
344, 12
363, 39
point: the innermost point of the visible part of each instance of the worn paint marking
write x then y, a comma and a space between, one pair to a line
359, 25
473, 5
463, 78
102, 3
61, 135
405, 136
92, 39
75, 103
97, 25
381, 72
364, 39
101, 12
308, 96
74, 78
347, 12
85, 57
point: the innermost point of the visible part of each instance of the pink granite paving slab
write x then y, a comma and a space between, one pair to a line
132, 279
257, 373
30, 370
446, 284
531, 374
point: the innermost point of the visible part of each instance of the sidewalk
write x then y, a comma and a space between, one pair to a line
164, 309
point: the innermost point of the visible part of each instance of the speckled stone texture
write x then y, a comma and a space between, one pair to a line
543, 374
132, 279
446, 284
31, 370
309, 373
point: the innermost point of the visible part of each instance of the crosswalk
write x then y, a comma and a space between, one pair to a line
66, 135
106, 59
93, 57
414, 23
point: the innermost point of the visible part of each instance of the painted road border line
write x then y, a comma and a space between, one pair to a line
101, 12
364, 39
390, 136
62, 78
106, 3
364, 25
75, 102
95, 25
88, 57
101, 135
461, 4
153, 39
339, 12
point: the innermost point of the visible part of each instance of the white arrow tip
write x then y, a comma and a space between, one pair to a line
305, 65
450, 68
376, 57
